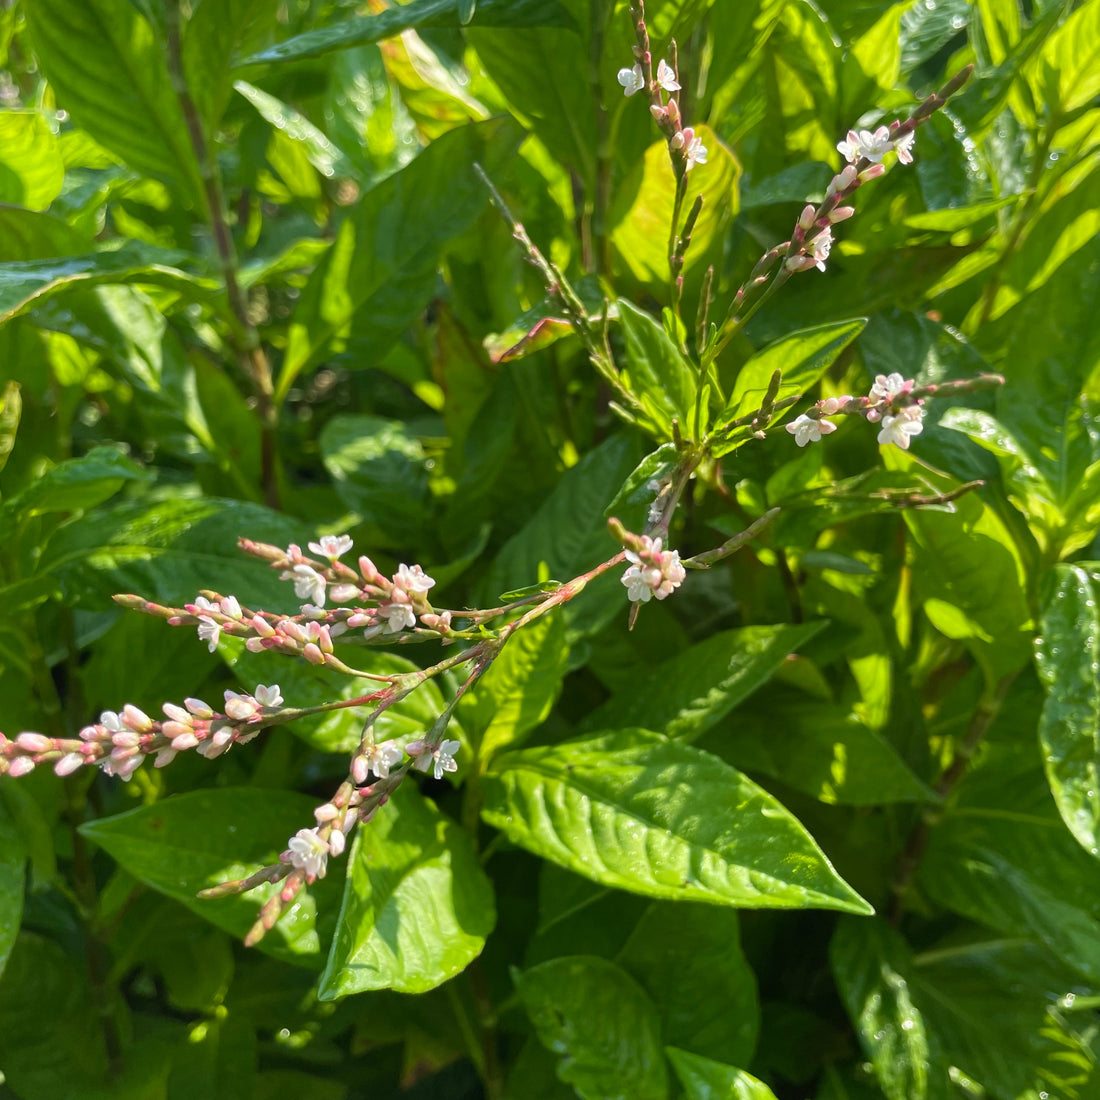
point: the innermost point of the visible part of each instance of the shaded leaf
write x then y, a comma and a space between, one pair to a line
705, 1079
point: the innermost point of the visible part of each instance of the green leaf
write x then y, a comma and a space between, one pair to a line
380, 471
1068, 658
413, 16
803, 357
13, 874
219, 1061
29, 283
656, 372
169, 551
641, 211
704, 1079
380, 271
688, 958
1025, 878
601, 1024
32, 235
107, 68
11, 410
697, 688
75, 485
1072, 54
873, 971
516, 694
417, 905
189, 842
31, 169
872, 65
614, 808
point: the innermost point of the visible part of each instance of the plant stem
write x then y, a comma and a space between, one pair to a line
242, 333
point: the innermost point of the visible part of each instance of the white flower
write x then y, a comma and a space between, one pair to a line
901, 428
308, 852
887, 386
862, 144
331, 546
632, 80
308, 584
383, 757
268, 696
230, 607
443, 757
240, 706
665, 76
209, 632
638, 586
695, 152
203, 604
806, 429
653, 572
821, 245
412, 579
398, 616
903, 146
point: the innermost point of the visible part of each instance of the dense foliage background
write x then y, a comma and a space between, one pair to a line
252, 285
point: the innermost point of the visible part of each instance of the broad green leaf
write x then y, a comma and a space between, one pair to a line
105, 64
417, 905
818, 748
688, 958
380, 271
189, 842
340, 731
689, 693
616, 808
33, 235
11, 408
1068, 658
873, 969
31, 170
705, 1079
641, 211
1025, 878
803, 357
13, 874
321, 153
968, 572
380, 471
412, 16
1066, 71
75, 485
656, 372
169, 551
600, 1023
516, 694
29, 283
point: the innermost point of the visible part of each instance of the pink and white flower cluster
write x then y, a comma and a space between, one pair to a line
683, 141
120, 741
653, 570
889, 401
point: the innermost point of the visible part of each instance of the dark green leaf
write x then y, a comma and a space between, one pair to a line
634, 810
107, 67
704, 1079
1068, 658
413, 16
601, 1024
192, 841
417, 905
31, 235
13, 873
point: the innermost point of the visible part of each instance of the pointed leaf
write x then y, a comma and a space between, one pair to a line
656, 372
705, 1079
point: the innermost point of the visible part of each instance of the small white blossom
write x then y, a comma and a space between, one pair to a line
412, 579
901, 428
903, 146
821, 245
209, 632
68, 763
632, 80
336, 843
842, 181
653, 571
308, 852
398, 616
443, 758
240, 706
861, 144
887, 386
230, 607
383, 757
268, 696
309, 585
695, 151
666, 77
331, 546
203, 604
806, 429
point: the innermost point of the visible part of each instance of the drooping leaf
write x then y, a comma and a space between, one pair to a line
1067, 656
616, 808
600, 1023
697, 688
380, 271
413, 16
417, 905
108, 69
706, 1079
189, 842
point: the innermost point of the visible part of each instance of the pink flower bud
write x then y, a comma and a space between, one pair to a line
176, 713
256, 645
659, 113
21, 765
164, 757
841, 213
807, 218
325, 812
125, 740
175, 729
34, 742
198, 708
368, 570
873, 172
69, 763
184, 742
360, 769
341, 593
313, 654
336, 843
136, 719
262, 627
241, 707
